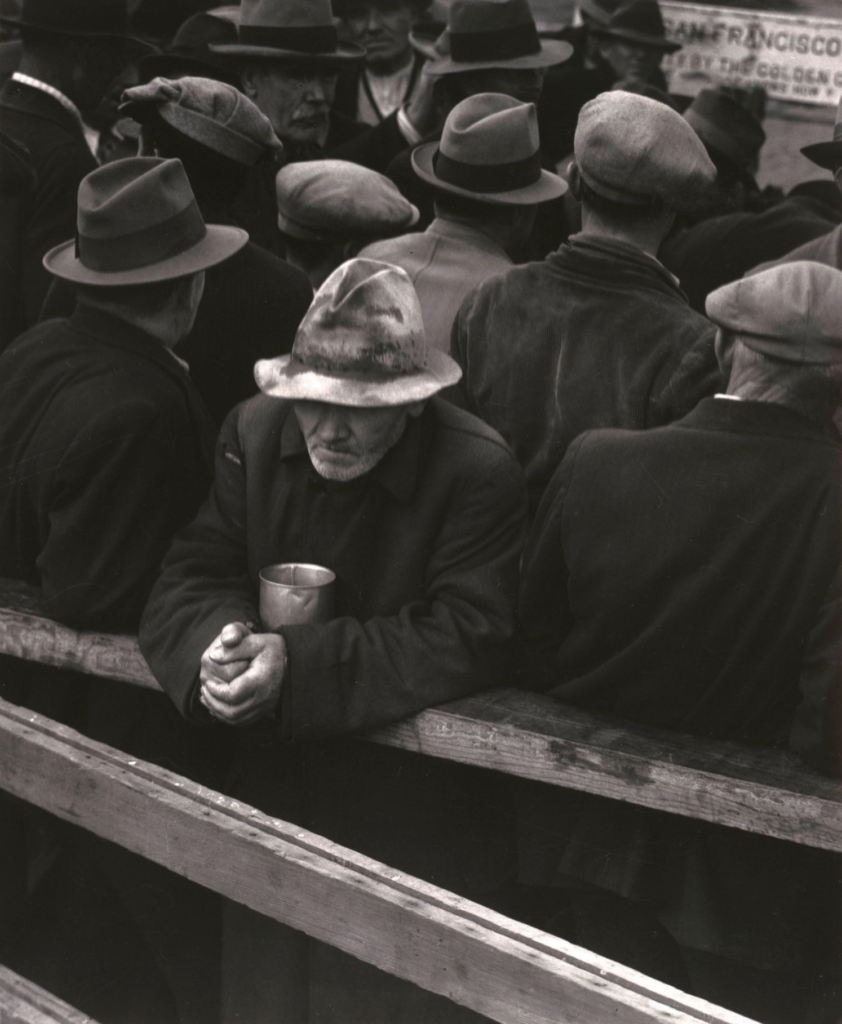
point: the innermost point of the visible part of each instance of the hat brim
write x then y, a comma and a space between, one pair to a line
284, 378
219, 243
549, 186
344, 53
126, 37
376, 232
656, 42
553, 51
425, 43
827, 155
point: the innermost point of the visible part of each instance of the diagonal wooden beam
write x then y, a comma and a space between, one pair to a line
23, 1002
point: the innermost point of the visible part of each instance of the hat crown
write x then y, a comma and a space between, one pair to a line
100, 16
488, 15
128, 195
722, 123
286, 14
365, 318
489, 129
200, 30
642, 16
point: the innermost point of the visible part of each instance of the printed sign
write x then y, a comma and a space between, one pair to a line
792, 58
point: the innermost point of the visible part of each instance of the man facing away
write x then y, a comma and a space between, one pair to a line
688, 578
598, 334
349, 460
488, 181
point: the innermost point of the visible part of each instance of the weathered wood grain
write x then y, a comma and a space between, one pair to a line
530, 736
22, 1002
498, 967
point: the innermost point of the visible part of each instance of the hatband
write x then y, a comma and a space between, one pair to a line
488, 178
149, 245
498, 44
304, 39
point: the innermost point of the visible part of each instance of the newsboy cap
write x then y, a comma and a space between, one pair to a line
337, 201
634, 150
361, 344
792, 312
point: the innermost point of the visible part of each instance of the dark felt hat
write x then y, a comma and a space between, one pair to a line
290, 30
638, 22
189, 51
489, 152
828, 154
138, 223
599, 10
107, 18
726, 127
495, 34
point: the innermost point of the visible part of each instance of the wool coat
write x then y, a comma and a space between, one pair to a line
688, 578
61, 159
17, 202
597, 335
425, 548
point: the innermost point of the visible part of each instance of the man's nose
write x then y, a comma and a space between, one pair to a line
374, 21
333, 427
315, 90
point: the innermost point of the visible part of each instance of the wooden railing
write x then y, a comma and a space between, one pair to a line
21, 1002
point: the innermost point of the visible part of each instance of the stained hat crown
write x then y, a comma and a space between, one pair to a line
639, 21
726, 126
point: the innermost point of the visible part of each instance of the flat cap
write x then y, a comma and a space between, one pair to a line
335, 201
792, 312
632, 149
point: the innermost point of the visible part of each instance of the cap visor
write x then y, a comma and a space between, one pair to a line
549, 186
345, 52
827, 155
283, 378
553, 51
219, 243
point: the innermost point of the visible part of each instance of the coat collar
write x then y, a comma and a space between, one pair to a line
613, 249
755, 418
37, 103
397, 472
458, 231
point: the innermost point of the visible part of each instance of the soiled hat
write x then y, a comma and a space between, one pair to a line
335, 201
361, 343
727, 127
633, 149
190, 50
489, 152
638, 22
210, 112
828, 154
289, 30
138, 223
792, 312
494, 34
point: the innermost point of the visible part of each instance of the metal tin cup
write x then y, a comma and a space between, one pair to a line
293, 593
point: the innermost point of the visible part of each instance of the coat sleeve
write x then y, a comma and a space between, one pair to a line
459, 337
816, 733
697, 376
110, 518
348, 675
545, 613
203, 584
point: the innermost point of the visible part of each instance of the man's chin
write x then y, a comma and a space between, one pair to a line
339, 466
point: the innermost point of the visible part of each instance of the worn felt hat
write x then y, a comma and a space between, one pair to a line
138, 223
210, 112
108, 18
336, 201
495, 34
289, 30
430, 27
828, 154
489, 152
361, 343
189, 51
791, 312
599, 10
638, 22
726, 127
633, 150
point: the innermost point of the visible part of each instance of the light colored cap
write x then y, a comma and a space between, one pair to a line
792, 312
632, 149
336, 201
361, 343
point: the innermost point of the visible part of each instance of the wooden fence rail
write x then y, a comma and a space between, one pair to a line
530, 736
21, 1002
505, 970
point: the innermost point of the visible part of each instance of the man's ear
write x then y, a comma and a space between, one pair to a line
574, 179
723, 346
248, 76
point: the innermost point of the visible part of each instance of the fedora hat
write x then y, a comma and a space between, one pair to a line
189, 51
214, 114
495, 34
828, 155
638, 22
361, 343
138, 223
489, 152
599, 10
107, 18
292, 30
726, 127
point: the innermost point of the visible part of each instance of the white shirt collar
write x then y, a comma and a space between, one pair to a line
730, 398
35, 83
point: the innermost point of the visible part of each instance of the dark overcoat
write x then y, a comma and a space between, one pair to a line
61, 159
597, 335
17, 202
686, 578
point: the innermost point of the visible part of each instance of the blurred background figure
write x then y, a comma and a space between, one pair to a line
189, 52
390, 75
329, 209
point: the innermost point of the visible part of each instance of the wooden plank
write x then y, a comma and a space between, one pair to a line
531, 736
23, 1002
498, 967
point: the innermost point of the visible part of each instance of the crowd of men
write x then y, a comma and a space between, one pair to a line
507, 337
